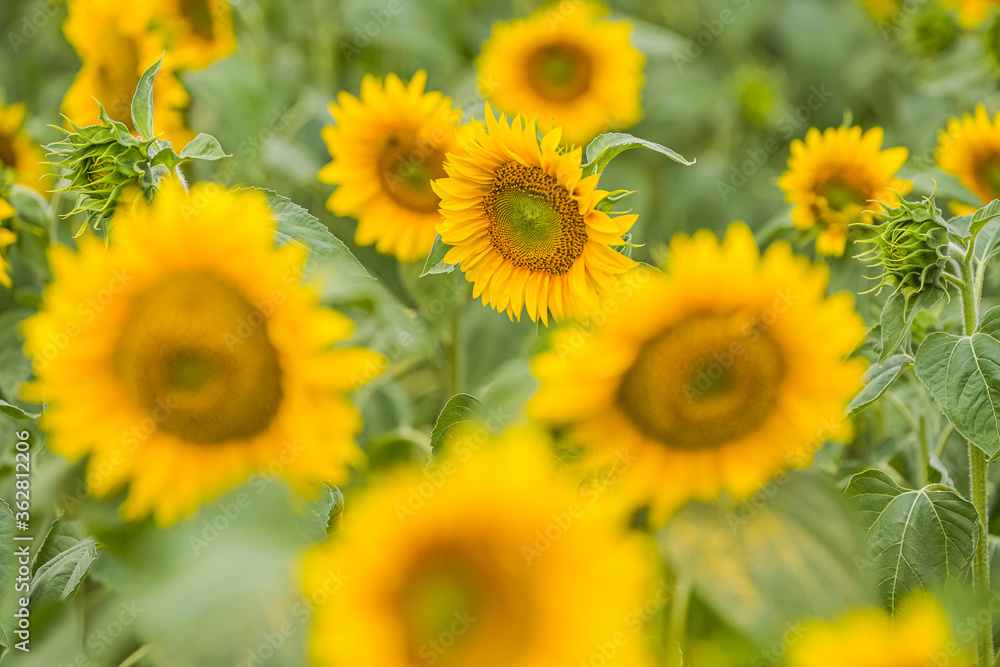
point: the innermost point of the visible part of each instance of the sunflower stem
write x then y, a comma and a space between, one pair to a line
683, 587
979, 480
455, 348
925, 453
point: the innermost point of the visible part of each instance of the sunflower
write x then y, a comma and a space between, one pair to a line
387, 147
7, 237
525, 226
201, 31
710, 376
116, 47
881, 10
567, 65
18, 151
970, 150
206, 360
487, 559
972, 13
836, 178
919, 634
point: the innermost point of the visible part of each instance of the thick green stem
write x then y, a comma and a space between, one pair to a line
925, 452
979, 476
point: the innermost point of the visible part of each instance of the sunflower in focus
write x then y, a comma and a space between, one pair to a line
567, 65
201, 31
972, 13
18, 152
970, 150
524, 225
501, 564
709, 376
919, 634
837, 178
206, 360
387, 147
116, 47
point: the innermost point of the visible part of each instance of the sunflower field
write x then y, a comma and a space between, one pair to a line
515, 333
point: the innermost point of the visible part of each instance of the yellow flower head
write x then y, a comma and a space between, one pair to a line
387, 147
918, 635
970, 150
7, 237
972, 13
116, 46
18, 151
568, 66
525, 226
486, 559
711, 376
205, 359
200, 31
836, 178
881, 10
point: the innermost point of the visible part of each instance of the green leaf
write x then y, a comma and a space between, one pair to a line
8, 570
769, 562
142, 101
320, 512
62, 535
460, 409
963, 375
898, 314
606, 147
297, 225
203, 147
14, 411
877, 379
983, 216
916, 539
435, 260
56, 579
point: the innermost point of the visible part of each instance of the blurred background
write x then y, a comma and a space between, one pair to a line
728, 82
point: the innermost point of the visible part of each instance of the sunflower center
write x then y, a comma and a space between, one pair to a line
534, 223
703, 382
199, 17
118, 77
460, 605
8, 156
840, 195
990, 171
559, 72
406, 168
195, 355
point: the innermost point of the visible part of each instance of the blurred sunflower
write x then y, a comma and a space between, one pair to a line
206, 360
919, 634
568, 66
525, 226
484, 571
970, 150
881, 10
972, 13
710, 375
7, 237
116, 47
200, 31
18, 152
836, 178
387, 147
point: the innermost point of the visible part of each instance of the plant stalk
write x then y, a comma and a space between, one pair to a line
979, 481
683, 587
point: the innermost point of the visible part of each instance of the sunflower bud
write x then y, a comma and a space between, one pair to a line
911, 246
102, 162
